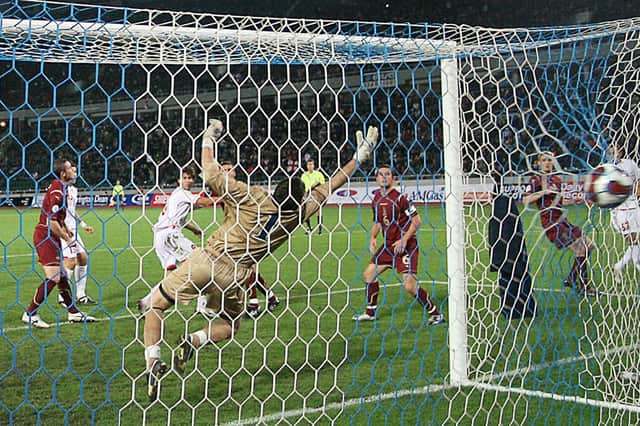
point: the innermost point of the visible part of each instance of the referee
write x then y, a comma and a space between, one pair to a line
311, 178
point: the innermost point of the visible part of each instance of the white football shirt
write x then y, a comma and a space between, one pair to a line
630, 168
72, 200
177, 209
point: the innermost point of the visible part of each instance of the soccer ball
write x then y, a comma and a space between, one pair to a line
608, 186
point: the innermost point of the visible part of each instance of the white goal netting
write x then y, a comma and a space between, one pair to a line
126, 94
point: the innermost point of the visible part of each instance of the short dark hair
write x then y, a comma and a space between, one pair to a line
59, 166
385, 166
189, 171
289, 193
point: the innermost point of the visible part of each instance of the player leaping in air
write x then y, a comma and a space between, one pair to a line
256, 281
626, 217
546, 195
260, 223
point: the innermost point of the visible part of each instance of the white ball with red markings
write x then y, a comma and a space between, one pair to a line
608, 186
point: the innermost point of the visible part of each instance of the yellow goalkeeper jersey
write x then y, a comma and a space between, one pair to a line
311, 179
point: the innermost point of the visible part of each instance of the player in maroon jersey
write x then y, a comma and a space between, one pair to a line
546, 195
46, 238
397, 218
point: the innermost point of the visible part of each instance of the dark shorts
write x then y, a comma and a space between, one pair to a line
404, 263
47, 247
563, 234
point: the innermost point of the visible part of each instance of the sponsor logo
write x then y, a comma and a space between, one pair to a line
140, 199
427, 196
95, 200
572, 190
346, 193
159, 199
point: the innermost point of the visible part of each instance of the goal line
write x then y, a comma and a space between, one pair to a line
482, 384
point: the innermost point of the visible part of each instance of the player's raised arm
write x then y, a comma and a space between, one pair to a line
210, 165
363, 153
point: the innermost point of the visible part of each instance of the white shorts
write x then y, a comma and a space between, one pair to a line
72, 252
172, 247
626, 221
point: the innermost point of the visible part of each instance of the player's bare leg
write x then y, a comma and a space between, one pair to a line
215, 332
152, 334
370, 276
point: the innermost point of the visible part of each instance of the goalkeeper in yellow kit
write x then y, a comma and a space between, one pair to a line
311, 178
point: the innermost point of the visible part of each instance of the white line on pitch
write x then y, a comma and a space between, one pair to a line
444, 387
482, 383
294, 297
130, 247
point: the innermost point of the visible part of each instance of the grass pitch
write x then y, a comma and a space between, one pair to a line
308, 361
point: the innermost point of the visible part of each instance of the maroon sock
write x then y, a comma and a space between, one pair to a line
372, 297
251, 286
65, 292
583, 274
425, 300
40, 295
578, 273
261, 284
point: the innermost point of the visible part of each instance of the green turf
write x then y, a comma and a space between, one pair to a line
310, 353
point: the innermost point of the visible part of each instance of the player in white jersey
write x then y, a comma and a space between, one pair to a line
170, 244
626, 217
75, 255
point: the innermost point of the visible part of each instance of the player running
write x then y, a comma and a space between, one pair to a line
48, 233
255, 224
397, 218
546, 194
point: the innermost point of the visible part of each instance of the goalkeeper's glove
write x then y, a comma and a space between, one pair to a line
212, 134
365, 146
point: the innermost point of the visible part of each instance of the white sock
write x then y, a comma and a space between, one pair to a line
625, 259
269, 294
254, 301
69, 273
202, 303
635, 255
147, 299
151, 353
202, 338
81, 281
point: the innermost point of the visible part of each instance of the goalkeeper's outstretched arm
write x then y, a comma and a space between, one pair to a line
363, 153
210, 165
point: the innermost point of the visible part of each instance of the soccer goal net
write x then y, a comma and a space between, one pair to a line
464, 115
